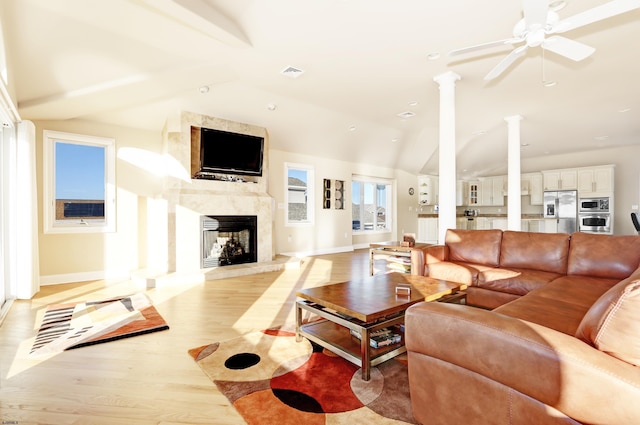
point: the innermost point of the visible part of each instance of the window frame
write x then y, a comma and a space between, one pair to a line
310, 194
81, 225
362, 180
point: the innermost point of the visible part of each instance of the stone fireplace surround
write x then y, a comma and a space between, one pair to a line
188, 200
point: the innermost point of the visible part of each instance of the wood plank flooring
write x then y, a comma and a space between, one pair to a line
150, 379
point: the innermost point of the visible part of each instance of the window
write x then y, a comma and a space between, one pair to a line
79, 186
299, 194
371, 200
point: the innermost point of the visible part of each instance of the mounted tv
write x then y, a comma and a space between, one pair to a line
224, 152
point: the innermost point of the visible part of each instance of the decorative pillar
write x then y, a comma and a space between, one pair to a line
514, 215
447, 154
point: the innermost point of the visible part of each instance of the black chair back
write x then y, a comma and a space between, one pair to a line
636, 221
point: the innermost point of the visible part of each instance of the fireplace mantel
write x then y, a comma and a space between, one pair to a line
187, 200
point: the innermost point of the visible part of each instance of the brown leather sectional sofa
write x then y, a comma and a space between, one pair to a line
556, 342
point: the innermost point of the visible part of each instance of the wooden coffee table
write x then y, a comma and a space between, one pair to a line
364, 306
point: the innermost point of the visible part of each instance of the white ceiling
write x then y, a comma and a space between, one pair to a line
137, 62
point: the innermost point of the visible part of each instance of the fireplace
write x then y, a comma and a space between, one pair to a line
228, 239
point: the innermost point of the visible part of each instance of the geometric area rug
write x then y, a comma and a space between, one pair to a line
73, 325
272, 379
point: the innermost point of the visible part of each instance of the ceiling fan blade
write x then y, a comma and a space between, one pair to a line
506, 62
490, 44
568, 48
535, 13
598, 13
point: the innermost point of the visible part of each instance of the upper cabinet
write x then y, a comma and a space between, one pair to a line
492, 191
595, 181
473, 194
560, 179
531, 184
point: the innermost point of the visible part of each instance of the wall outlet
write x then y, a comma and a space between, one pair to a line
634, 208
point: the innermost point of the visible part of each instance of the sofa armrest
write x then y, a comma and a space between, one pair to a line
421, 257
554, 368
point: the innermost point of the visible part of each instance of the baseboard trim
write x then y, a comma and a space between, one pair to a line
336, 250
57, 279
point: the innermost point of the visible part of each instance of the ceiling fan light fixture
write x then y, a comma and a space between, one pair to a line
556, 5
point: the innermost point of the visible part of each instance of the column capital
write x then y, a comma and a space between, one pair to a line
513, 118
448, 77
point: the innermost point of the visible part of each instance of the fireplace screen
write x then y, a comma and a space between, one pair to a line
228, 240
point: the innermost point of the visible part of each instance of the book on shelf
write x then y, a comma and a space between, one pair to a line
380, 338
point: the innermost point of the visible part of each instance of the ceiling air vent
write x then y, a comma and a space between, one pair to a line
292, 72
406, 114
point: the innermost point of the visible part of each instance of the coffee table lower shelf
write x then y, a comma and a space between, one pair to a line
334, 334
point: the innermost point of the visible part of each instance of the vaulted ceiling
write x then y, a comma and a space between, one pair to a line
363, 62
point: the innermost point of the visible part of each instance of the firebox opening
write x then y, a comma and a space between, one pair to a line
228, 240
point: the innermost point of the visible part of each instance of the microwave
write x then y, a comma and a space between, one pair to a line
594, 222
600, 205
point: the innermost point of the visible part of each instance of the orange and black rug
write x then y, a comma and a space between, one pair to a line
272, 379
78, 324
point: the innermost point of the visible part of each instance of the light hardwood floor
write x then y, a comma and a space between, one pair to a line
150, 379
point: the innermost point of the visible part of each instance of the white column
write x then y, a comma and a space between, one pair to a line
514, 216
447, 154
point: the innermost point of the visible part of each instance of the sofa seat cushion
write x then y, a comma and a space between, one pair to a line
454, 271
612, 324
558, 314
474, 246
606, 256
514, 280
538, 251
581, 290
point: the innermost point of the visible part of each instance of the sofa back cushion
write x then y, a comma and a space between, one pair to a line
612, 324
538, 251
612, 257
474, 246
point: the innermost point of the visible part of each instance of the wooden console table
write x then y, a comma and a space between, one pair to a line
391, 249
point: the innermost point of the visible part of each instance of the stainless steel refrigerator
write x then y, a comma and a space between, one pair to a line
563, 206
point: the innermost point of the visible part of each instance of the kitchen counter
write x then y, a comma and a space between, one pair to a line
523, 216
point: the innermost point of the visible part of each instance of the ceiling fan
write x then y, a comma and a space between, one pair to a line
539, 22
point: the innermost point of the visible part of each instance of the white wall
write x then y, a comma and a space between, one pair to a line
331, 231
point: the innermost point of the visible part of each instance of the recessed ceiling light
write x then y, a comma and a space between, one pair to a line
272, 106
406, 114
413, 103
624, 110
394, 140
478, 133
203, 89
433, 56
601, 138
292, 72
549, 83
352, 128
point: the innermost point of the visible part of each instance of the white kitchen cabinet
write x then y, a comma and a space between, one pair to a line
535, 225
535, 189
560, 179
428, 230
492, 191
482, 223
595, 181
461, 223
473, 194
499, 223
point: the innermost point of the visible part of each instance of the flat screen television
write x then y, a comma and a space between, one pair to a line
230, 153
